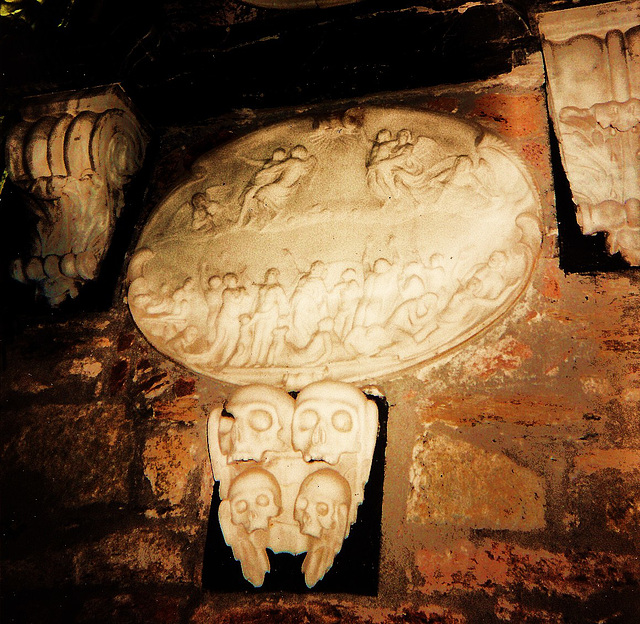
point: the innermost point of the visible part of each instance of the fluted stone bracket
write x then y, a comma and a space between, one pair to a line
592, 57
72, 155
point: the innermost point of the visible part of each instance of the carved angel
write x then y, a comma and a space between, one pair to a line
272, 185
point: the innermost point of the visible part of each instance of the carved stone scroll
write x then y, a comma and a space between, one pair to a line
292, 472
344, 248
592, 55
72, 155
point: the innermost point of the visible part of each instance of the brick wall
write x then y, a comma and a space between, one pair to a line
512, 491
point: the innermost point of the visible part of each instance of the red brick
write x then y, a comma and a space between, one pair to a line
495, 566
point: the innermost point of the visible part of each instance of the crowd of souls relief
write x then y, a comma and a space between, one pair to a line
342, 247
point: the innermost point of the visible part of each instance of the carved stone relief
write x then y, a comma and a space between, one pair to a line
72, 154
347, 247
292, 472
592, 58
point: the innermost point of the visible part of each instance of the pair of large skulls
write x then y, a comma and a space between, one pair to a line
327, 419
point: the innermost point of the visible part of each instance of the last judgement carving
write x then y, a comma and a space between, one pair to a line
292, 472
378, 237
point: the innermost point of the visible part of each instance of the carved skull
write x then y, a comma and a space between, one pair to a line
329, 420
256, 419
323, 504
255, 498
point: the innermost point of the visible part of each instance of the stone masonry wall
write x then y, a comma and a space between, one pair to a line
512, 484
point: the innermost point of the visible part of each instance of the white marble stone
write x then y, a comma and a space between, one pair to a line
592, 56
292, 473
72, 154
347, 248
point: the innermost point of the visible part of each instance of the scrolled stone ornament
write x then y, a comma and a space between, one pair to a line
592, 71
72, 156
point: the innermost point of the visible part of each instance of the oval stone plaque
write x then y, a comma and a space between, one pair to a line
346, 248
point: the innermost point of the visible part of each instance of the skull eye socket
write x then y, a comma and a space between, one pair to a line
341, 421
260, 420
322, 509
262, 500
226, 423
307, 420
302, 503
241, 506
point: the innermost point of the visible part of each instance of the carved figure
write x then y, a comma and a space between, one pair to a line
213, 298
379, 296
491, 276
256, 420
399, 168
236, 301
322, 510
271, 306
274, 184
308, 305
346, 294
204, 212
416, 310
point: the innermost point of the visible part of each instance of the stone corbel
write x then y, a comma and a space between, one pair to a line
72, 155
592, 56
292, 472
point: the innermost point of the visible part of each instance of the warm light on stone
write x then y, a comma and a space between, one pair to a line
292, 473
348, 248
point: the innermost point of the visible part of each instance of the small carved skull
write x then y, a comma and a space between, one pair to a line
322, 505
255, 498
256, 420
329, 420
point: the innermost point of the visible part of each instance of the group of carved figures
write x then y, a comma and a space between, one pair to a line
230, 323
399, 168
291, 472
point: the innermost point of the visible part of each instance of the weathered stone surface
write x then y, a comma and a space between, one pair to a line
492, 566
458, 484
81, 454
624, 460
170, 457
137, 555
507, 611
604, 493
156, 606
323, 613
